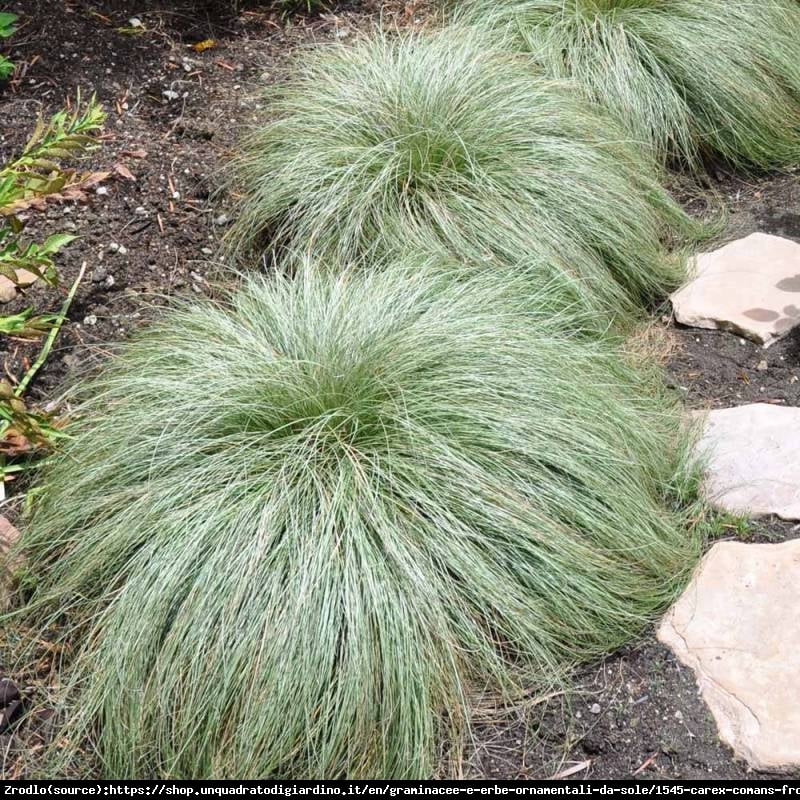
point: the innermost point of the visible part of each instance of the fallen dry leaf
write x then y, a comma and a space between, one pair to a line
122, 170
9, 536
15, 444
574, 769
201, 47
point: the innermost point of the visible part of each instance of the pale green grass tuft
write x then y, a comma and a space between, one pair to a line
294, 533
407, 139
689, 78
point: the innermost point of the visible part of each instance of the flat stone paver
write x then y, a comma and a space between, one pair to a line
737, 626
752, 456
750, 286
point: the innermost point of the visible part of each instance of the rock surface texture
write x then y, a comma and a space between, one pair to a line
752, 456
737, 626
750, 286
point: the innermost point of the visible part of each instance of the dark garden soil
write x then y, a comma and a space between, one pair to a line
153, 230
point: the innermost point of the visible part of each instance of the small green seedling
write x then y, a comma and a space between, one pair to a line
7, 29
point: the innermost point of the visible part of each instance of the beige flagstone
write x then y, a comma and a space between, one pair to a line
737, 626
750, 286
752, 460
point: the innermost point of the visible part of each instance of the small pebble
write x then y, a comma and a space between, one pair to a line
109, 281
101, 190
170, 95
207, 251
595, 708
222, 219
90, 319
99, 274
763, 366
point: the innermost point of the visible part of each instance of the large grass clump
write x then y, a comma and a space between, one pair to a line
443, 137
294, 533
690, 78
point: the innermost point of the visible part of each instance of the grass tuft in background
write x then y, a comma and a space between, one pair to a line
689, 78
443, 139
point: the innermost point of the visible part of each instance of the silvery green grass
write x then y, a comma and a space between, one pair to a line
689, 78
296, 532
444, 137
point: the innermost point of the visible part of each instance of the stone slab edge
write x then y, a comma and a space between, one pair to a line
737, 716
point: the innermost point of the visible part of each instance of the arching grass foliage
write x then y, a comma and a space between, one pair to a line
687, 77
294, 532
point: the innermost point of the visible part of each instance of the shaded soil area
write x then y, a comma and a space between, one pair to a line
637, 715
174, 114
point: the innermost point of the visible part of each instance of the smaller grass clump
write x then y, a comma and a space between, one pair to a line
293, 533
689, 78
443, 137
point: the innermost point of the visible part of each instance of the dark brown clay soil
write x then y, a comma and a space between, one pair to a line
637, 715
174, 115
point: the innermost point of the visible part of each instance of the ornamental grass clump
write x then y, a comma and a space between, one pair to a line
400, 139
294, 533
690, 78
